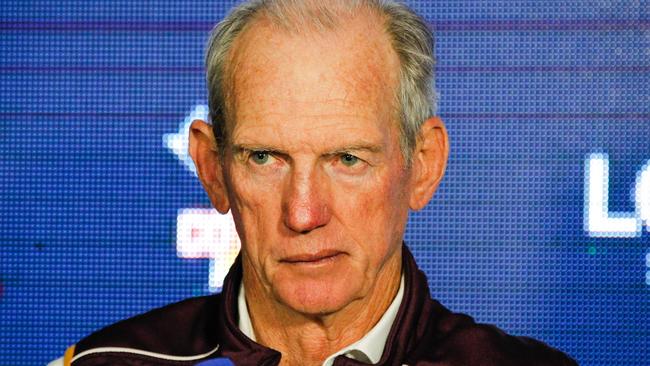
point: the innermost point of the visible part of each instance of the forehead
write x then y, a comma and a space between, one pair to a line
350, 71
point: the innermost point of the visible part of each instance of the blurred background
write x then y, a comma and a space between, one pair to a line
541, 226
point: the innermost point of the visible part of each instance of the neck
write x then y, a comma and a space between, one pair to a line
307, 339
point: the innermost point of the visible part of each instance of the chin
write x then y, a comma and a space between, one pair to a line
320, 295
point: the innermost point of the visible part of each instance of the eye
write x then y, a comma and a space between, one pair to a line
260, 157
349, 160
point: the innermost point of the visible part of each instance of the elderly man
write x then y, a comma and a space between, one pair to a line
322, 139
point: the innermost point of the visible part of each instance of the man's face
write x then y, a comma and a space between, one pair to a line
316, 180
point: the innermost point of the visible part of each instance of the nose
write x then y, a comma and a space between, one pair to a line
305, 203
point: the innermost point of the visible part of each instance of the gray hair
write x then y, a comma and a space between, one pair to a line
410, 37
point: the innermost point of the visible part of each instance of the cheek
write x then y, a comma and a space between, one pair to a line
254, 208
376, 213
385, 196
393, 209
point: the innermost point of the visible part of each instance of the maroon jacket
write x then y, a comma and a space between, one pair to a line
193, 330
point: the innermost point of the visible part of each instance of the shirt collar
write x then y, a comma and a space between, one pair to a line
368, 349
244, 323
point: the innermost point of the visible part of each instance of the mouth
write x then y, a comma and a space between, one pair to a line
321, 257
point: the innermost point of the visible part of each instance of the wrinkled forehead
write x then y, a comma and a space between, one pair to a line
350, 65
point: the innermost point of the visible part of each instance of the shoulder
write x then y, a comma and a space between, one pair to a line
182, 329
458, 340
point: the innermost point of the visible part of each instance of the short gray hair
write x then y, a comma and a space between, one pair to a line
410, 37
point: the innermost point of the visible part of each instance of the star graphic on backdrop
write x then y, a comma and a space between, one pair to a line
178, 142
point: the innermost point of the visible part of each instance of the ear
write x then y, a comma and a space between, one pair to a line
203, 150
428, 162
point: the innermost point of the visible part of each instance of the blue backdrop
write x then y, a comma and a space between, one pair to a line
540, 226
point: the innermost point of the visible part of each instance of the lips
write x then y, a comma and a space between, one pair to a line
307, 258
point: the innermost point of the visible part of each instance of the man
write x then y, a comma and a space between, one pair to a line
322, 139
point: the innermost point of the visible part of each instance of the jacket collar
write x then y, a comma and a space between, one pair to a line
235, 344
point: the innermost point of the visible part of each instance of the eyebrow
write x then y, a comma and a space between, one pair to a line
372, 148
239, 148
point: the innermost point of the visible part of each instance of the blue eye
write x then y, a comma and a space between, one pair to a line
349, 160
260, 157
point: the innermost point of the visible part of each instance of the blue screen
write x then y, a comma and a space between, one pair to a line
541, 225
